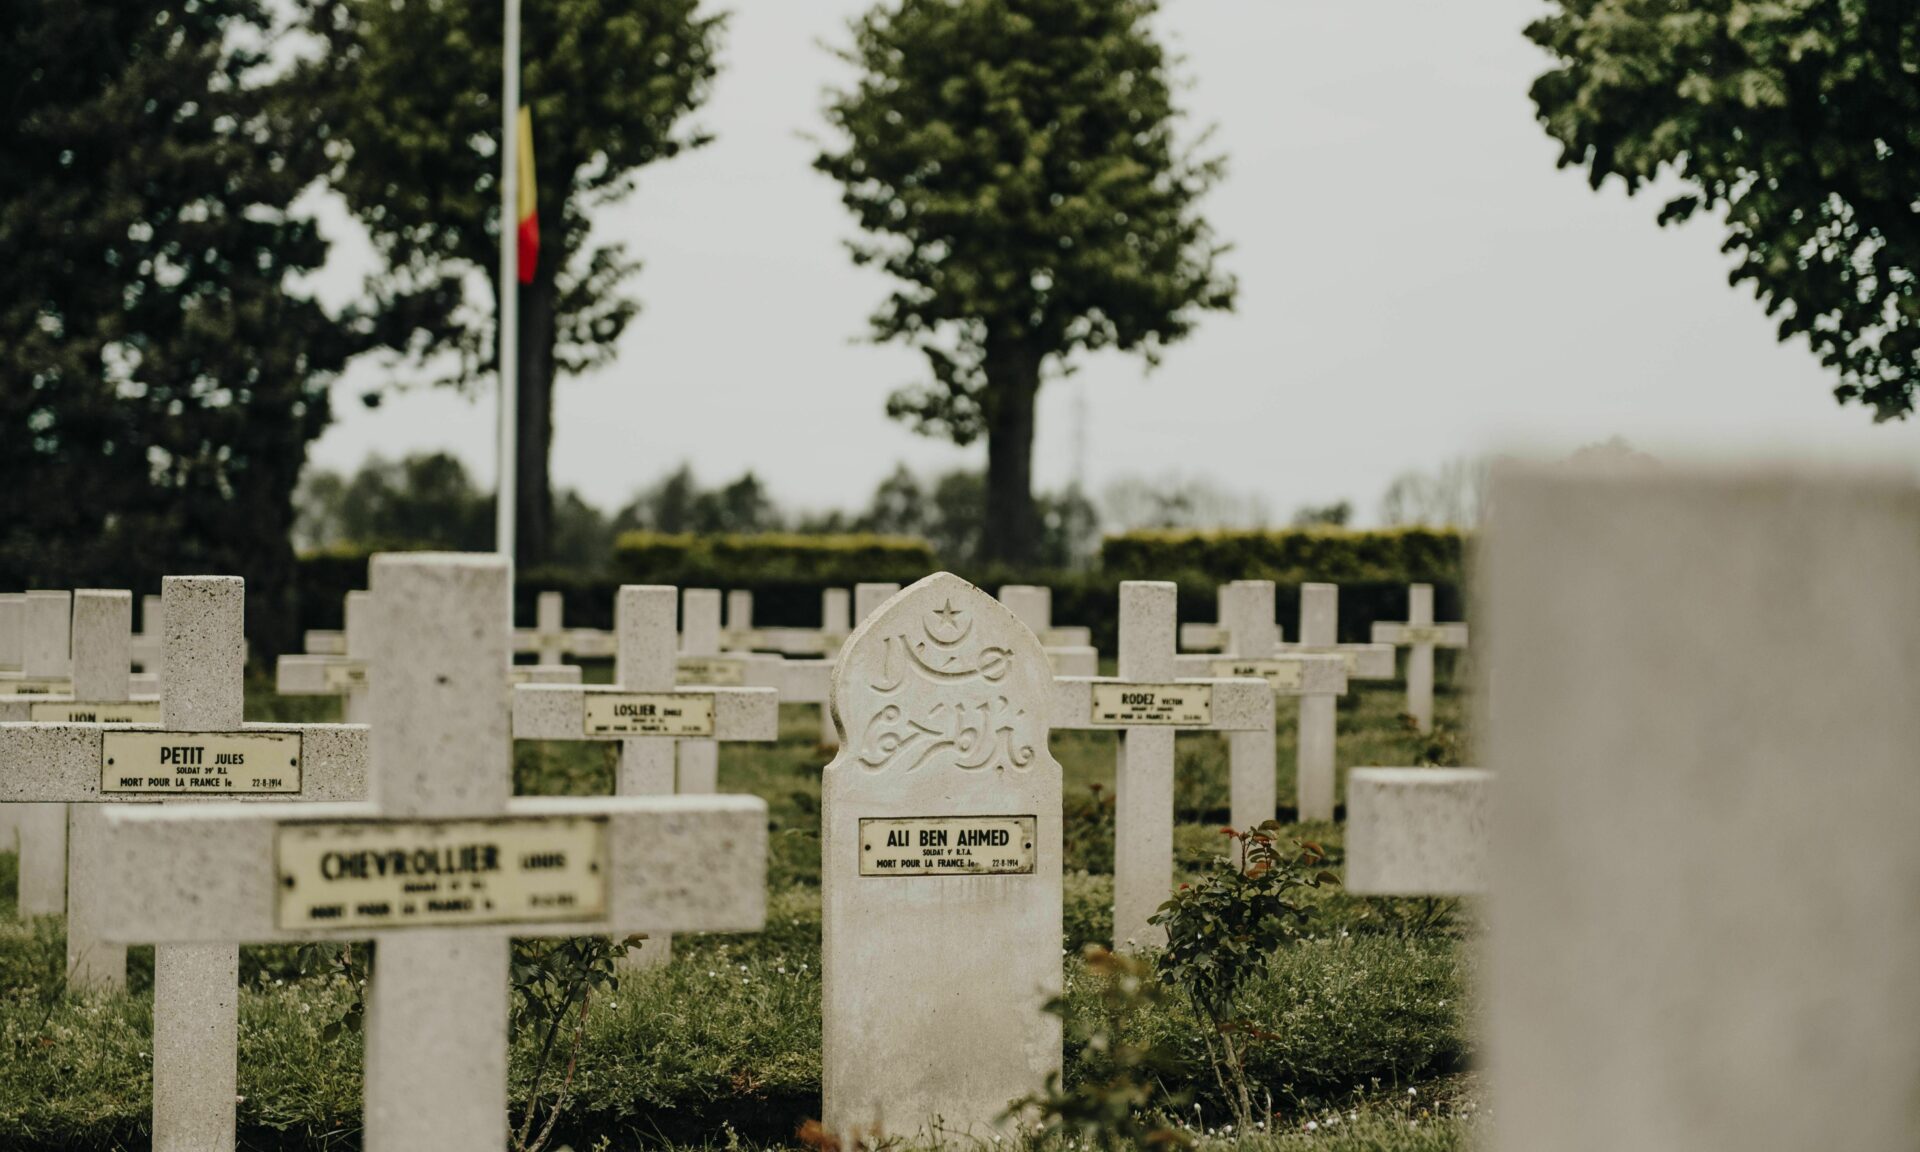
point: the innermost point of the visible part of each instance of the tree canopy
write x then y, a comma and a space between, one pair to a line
1798, 121
409, 93
1016, 167
162, 377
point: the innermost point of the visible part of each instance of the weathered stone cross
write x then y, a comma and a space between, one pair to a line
202, 752
1420, 634
1147, 704
344, 675
46, 673
444, 867
702, 662
101, 681
1069, 650
647, 713
740, 635
1318, 678
552, 641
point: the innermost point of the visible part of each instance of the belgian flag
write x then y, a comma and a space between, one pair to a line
526, 214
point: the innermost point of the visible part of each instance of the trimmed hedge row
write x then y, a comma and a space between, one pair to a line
1080, 598
775, 557
1290, 556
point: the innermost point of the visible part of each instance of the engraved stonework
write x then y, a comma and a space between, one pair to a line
939, 696
940, 821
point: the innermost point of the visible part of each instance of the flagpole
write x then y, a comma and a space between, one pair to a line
506, 485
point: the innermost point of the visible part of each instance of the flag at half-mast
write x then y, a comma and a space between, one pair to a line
526, 214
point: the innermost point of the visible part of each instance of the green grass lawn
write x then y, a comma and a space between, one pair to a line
722, 1047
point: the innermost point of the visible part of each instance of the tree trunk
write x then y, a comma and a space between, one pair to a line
1011, 534
533, 500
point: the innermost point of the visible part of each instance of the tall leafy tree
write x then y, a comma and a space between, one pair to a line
1016, 166
159, 378
414, 121
1798, 122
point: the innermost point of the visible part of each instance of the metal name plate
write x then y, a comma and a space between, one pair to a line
947, 846
203, 763
649, 714
1422, 634
37, 686
1143, 705
69, 712
1282, 674
712, 670
384, 874
344, 677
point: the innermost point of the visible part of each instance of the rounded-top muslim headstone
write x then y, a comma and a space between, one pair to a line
940, 869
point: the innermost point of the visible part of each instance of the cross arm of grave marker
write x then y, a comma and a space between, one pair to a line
1395, 634
1418, 831
490, 866
604, 712
1187, 704
257, 874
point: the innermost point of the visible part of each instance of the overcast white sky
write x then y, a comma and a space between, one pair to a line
1418, 282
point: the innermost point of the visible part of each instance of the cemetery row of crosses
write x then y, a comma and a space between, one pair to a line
940, 871
148, 811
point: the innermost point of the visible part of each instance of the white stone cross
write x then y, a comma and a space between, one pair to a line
344, 675
551, 641
740, 635
55, 835
703, 662
647, 712
1318, 677
1417, 831
940, 871
444, 867
1146, 704
1070, 650
202, 752
1421, 636
46, 673
1320, 635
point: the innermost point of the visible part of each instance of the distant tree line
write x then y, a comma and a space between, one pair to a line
431, 500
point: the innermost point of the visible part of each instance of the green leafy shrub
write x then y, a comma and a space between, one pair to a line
1222, 929
1119, 1098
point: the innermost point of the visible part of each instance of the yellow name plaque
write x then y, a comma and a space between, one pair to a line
1282, 674
1144, 705
1422, 634
380, 874
649, 714
947, 846
713, 670
67, 712
37, 686
205, 763
344, 677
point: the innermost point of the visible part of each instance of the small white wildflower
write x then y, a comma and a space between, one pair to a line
1313, 1126
1412, 1092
